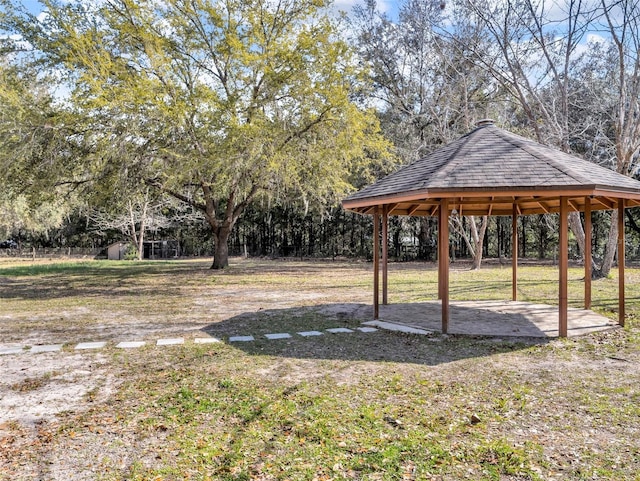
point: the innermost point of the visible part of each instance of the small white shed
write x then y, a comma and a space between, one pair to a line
116, 251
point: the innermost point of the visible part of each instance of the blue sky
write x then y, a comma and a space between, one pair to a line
388, 6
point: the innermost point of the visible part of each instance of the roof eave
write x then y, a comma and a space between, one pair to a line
546, 191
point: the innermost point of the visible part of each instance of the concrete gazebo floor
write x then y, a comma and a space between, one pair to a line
494, 318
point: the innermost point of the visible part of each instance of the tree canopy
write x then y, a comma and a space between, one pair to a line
213, 103
257, 108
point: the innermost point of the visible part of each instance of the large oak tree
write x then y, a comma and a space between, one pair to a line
211, 102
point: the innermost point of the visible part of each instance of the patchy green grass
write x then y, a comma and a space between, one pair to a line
513, 411
360, 406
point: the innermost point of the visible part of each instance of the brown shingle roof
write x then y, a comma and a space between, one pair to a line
489, 163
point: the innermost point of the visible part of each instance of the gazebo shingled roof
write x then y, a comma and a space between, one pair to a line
491, 171
486, 169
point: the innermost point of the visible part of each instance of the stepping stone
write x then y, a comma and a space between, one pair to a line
170, 342
206, 340
367, 329
281, 335
11, 350
130, 344
241, 338
46, 348
311, 333
390, 326
336, 330
91, 345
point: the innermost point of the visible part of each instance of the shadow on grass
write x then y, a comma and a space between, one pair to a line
90, 279
379, 346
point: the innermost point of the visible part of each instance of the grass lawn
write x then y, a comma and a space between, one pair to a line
361, 406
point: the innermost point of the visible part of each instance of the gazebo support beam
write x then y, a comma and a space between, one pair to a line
564, 267
587, 252
621, 262
443, 261
605, 202
376, 263
574, 205
413, 209
514, 253
544, 207
385, 253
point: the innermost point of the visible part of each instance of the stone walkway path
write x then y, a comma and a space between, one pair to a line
176, 341
485, 318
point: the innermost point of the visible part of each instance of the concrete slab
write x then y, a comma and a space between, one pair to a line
392, 326
91, 345
280, 335
206, 340
11, 350
367, 329
46, 348
130, 344
493, 318
170, 342
336, 330
310, 333
241, 339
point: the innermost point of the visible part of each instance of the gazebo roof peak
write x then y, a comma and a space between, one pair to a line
489, 164
483, 122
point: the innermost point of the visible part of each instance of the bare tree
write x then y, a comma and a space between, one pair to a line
429, 89
534, 57
472, 234
621, 21
138, 215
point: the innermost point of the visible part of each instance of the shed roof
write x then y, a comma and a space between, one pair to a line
488, 171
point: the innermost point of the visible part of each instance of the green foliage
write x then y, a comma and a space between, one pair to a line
18, 215
131, 253
211, 102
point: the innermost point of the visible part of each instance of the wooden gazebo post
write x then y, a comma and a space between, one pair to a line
385, 253
376, 263
564, 267
443, 261
514, 252
621, 262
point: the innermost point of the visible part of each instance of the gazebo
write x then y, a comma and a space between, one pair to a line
491, 171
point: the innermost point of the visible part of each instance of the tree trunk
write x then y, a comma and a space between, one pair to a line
611, 247
575, 224
137, 237
478, 239
221, 249
473, 240
140, 246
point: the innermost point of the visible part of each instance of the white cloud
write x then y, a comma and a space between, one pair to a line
386, 6
596, 38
